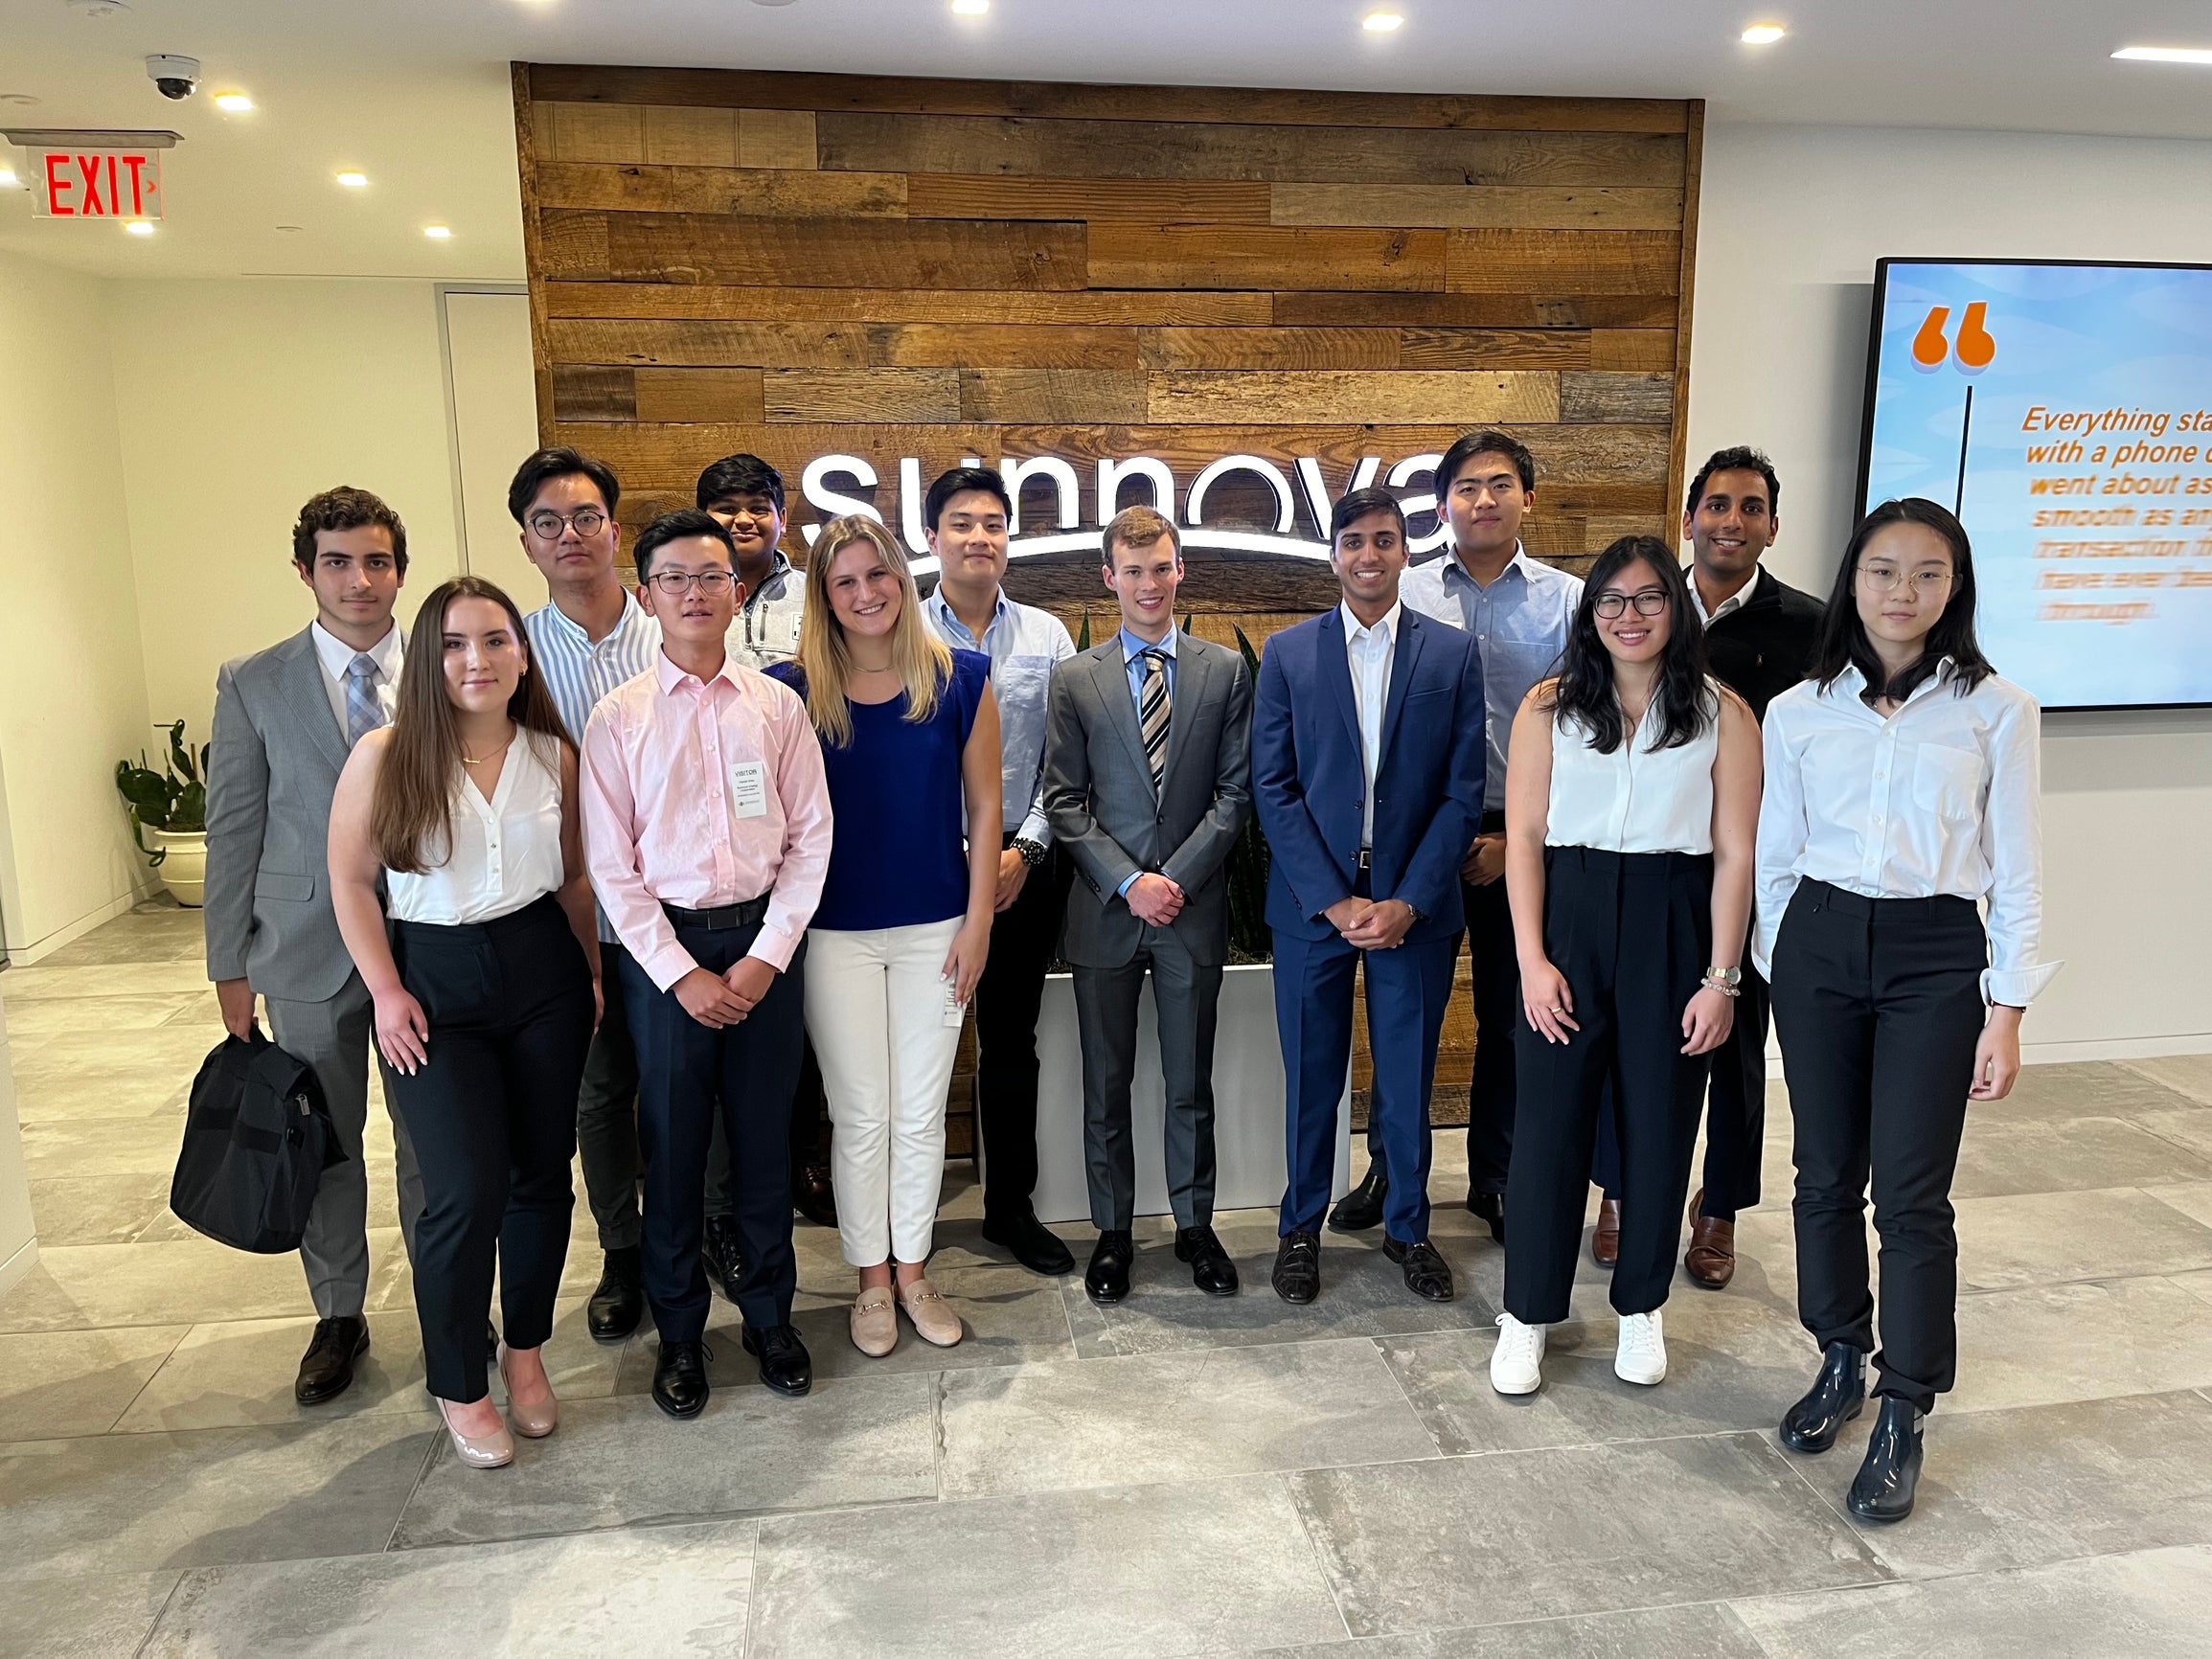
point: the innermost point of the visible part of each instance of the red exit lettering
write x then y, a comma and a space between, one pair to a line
109, 184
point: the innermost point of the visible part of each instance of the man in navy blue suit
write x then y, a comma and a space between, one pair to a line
1367, 761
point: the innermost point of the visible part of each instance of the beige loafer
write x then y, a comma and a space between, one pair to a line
531, 1422
874, 1323
933, 1318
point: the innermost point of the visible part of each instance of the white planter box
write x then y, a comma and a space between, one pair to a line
1248, 1120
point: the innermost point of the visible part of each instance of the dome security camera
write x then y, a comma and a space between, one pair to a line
176, 78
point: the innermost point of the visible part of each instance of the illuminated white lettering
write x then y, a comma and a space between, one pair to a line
827, 501
1285, 507
1065, 486
1405, 473
1111, 472
1318, 501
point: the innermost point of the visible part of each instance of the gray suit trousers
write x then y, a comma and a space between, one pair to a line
1185, 998
335, 1039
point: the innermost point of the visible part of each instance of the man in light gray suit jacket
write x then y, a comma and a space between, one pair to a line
1148, 782
284, 721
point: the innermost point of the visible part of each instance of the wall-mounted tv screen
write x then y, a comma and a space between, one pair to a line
2064, 412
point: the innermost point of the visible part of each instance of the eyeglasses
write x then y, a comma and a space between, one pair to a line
585, 521
675, 584
1884, 579
1648, 602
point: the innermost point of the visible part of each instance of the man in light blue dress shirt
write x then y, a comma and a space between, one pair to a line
1519, 612
966, 514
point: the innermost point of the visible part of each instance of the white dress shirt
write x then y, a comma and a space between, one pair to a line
1638, 799
1943, 797
503, 855
1734, 601
1369, 653
336, 658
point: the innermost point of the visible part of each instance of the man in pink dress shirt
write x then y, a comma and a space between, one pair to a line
707, 832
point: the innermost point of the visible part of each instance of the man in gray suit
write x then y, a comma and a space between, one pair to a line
284, 721
1148, 780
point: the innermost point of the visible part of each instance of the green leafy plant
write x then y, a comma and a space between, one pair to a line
172, 800
1249, 939
1083, 639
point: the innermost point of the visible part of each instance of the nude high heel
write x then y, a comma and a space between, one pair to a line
532, 1422
486, 1451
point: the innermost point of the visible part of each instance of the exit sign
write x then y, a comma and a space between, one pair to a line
97, 184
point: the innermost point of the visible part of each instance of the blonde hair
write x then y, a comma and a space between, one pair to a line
923, 662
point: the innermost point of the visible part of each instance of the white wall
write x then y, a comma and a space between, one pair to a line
71, 682
1790, 221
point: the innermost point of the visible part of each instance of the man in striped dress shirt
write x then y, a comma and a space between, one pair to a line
590, 637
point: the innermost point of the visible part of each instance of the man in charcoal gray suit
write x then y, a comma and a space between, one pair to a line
285, 719
1147, 783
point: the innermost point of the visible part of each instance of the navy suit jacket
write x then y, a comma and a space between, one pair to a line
1309, 783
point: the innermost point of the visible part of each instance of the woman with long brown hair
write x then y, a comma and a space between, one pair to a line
909, 731
486, 988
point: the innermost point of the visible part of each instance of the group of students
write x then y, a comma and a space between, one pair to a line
713, 848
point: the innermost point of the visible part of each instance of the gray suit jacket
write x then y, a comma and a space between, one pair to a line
272, 768
1098, 793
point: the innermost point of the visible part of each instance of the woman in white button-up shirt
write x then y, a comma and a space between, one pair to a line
1902, 792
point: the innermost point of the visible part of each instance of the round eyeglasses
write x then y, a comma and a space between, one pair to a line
675, 584
585, 521
1651, 602
1884, 578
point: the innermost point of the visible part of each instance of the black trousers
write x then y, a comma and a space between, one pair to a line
1632, 933
1023, 937
809, 1137
687, 1075
1879, 1003
607, 1112
1734, 1113
492, 1117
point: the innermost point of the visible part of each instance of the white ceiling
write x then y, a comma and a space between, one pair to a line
415, 93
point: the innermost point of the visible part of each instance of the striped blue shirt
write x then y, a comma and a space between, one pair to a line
578, 672
1024, 645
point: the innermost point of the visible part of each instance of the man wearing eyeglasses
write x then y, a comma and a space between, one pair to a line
588, 638
707, 832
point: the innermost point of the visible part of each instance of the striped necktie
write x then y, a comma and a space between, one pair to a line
1152, 716
364, 712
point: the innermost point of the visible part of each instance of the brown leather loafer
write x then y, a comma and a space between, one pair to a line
1605, 1241
1711, 1258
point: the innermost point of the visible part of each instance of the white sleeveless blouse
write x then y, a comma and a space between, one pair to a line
1637, 799
506, 851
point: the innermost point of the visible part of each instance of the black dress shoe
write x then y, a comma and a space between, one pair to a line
1491, 1207
1427, 1275
1211, 1269
1297, 1275
1361, 1208
786, 1365
327, 1367
619, 1303
721, 1253
1107, 1278
1885, 1486
1029, 1242
1838, 1394
812, 1196
679, 1378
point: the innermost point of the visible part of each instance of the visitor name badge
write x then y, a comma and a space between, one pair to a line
955, 1011
750, 788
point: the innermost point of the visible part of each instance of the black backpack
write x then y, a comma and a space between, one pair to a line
257, 1139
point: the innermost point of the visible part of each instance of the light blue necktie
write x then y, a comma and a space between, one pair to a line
364, 712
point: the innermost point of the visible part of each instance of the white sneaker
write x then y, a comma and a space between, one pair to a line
1642, 1354
1516, 1363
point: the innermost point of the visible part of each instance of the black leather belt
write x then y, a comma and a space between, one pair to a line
724, 918
1365, 859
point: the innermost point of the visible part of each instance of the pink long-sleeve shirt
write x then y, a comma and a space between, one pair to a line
703, 795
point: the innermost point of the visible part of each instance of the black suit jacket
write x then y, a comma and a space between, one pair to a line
1764, 645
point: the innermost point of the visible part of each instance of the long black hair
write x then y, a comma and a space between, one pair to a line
1585, 692
1843, 641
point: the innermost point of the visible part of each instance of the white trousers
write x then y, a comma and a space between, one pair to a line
875, 1011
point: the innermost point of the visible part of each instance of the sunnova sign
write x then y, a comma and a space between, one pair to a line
826, 477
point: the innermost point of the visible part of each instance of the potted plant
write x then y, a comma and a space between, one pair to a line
171, 807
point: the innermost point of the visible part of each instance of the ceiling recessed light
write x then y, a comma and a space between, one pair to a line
353, 180
232, 102
1382, 22
8, 178
1764, 33
971, 7
2165, 53
291, 227
139, 227
438, 232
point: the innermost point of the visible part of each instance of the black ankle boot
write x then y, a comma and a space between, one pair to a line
1838, 1394
1887, 1479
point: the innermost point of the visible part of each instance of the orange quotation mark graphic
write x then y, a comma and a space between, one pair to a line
1974, 349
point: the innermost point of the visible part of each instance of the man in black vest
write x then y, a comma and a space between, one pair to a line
1759, 638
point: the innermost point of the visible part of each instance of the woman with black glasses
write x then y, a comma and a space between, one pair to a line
1631, 806
1902, 790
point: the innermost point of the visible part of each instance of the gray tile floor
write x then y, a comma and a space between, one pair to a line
1176, 1475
